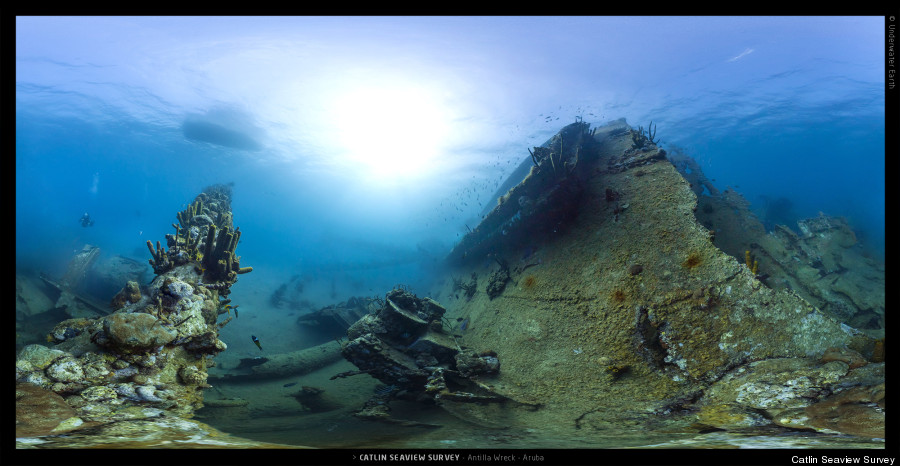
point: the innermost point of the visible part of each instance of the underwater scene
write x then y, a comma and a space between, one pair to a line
452, 239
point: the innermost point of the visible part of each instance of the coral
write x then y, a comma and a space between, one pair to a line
616, 370
611, 195
693, 260
154, 348
751, 262
497, 280
648, 338
468, 287
640, 139
196, 239
219, 261
477, 364
195, 209
160, 262
529, 282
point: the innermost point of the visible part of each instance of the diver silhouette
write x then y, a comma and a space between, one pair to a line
86, 220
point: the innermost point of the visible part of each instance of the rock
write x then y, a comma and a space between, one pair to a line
133, 332
148, 432
858, 411
794, 391
136, 412
98, 393
130, 294
95, 371
39, 411
70, 328
39, 356
206, 343
852, 358
120, 364
67, 425
799, 393
36, 378
148, 393
730, 416
179, 289
190, 375
125, 390
22, 367
95, 411
66, 370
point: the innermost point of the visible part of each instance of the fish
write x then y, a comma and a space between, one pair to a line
235, 311
384, 389
290, 384
464, 324
256, 340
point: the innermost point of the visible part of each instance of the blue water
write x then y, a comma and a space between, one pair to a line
360, 148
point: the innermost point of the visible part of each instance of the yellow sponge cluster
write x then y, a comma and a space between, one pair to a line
752, 264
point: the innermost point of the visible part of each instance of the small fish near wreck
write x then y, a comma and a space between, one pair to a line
256, 340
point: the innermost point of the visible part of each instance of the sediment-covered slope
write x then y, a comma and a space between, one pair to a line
618, 300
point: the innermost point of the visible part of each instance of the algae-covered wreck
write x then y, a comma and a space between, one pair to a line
611, 308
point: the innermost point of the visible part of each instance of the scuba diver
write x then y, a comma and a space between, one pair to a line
86, 220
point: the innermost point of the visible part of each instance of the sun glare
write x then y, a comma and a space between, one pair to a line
391, 132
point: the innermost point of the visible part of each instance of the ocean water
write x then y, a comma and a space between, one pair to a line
361, 149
